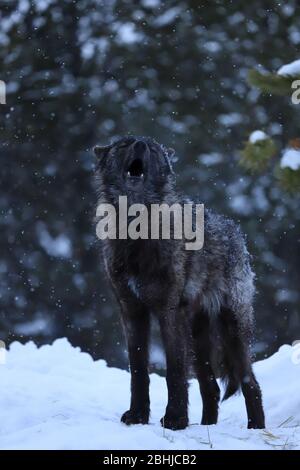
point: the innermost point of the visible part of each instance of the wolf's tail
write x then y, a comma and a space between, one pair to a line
232, 385
230, 375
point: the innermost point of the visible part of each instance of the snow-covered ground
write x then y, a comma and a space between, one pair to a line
57, 397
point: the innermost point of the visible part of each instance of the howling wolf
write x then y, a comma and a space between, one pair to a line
202, 299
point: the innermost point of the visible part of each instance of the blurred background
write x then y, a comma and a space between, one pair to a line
82, 72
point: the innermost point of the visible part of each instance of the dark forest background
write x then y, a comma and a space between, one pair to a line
82, 72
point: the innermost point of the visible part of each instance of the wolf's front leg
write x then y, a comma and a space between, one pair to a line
175, 337
137, 326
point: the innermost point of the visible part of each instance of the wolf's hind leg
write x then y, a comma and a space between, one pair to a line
238, 368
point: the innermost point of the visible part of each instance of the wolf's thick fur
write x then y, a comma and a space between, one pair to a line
202, 299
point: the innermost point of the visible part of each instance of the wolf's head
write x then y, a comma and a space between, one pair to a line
136, 167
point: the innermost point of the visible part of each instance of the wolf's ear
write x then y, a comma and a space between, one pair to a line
100, 151
171, 155
171, 152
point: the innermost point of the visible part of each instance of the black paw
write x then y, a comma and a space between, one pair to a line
209, 418
256, 424
257, 421
174, 422
208, 421
135, 417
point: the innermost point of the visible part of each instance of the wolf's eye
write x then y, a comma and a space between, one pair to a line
122, 146
121, 150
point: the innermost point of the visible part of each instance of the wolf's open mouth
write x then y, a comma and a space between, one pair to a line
136, 169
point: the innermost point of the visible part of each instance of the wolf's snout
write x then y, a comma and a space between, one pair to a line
139, 148
136, 166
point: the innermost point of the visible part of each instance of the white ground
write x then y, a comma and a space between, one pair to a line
57, 397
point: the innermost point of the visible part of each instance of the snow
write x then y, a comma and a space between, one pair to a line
241, 204
255, 136
57, 397
291, 69
59, 246
230, 119
212, 46
127, 34
209, 159
151, 3
39, 324
290, 159
43, 5
2, 353
167, 17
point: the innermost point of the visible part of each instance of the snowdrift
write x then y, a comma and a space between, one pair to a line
56, 397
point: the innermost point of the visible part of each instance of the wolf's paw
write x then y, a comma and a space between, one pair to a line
210, 417
174, 422
135, 417
260, 424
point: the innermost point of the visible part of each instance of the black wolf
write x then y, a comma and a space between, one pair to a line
202, 299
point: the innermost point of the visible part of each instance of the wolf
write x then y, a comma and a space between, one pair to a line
203, 299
